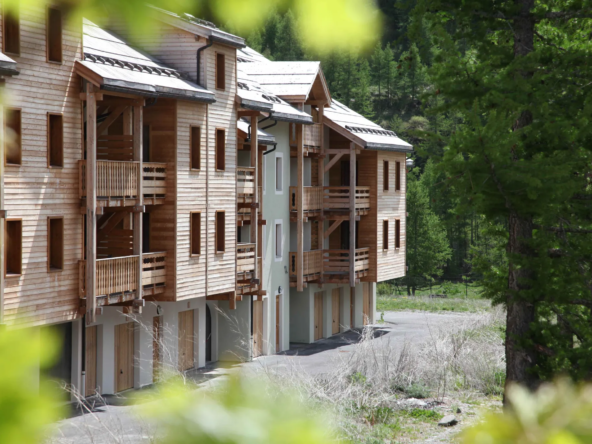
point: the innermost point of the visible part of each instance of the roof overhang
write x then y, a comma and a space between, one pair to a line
292, 118
7, 66
254, 105
363, 143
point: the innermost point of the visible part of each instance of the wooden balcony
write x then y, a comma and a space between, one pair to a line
331, 266
338, 199
312, 199
245, 181
117, 278
117, 184
312, 136
246, 258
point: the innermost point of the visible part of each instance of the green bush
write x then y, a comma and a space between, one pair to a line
414, 390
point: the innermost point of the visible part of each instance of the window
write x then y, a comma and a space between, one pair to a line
55, 139
13, 146
385, 235
220, 231
398, 233
279, 174
54, 35
220, 71
195, 144
195, 234
279, 251
385, 177
397, 176
55, 243
13, 247
220, 149
11, 30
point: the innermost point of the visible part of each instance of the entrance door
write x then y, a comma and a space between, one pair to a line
156, 347
335, 307
90, 361
208, 334
257, 328
367, 303
186, 338
318, 316
277, 323
124, 356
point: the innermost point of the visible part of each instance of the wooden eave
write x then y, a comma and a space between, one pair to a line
345, 133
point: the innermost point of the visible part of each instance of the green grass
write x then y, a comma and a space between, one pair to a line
422, 303
452, 290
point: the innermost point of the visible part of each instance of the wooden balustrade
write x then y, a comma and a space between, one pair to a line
337, 198
312, 264
312, 135
245, 178
119, 274
337, 261
245, 258
312, 199
362, 258
118, 179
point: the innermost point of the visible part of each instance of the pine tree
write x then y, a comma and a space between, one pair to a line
523, 156
362, 96
378, 73
287, 42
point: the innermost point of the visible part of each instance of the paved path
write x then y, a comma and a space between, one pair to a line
120, 424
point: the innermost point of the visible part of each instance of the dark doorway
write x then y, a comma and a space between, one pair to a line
60, 370
146, 143
208, 334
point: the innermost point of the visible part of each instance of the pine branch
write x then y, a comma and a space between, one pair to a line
548, 41
562, 230
568, 15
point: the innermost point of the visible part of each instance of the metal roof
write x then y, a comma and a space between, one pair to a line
363, 131
263, 137
125, 69
7, 65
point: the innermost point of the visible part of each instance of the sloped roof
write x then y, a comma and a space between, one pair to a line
263, 137
252, 96
111, 62
361, 130
7, 65
289, 80
200, 27
248, 54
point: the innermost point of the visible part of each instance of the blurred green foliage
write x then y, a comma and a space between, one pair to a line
558, 413
239, 410
26, 406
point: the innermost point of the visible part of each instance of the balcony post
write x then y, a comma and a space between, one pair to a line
300, 209
352, 215
254, 218
91, 203
321, 174
138, 126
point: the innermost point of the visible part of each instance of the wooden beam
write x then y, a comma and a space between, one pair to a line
300, 208
91, 204
98, 96
332, 228
249, 113
321, 174
221, 296
254, 164
109, 225
332, 162
352, 216
110, 119
336, 151
138, 150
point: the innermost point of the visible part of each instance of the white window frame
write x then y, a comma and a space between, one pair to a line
277, 258
275, 170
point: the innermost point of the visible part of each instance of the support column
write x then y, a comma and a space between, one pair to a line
352, 215
2, 213
254, 163
91, 203
321, 173
138, 123
300, 209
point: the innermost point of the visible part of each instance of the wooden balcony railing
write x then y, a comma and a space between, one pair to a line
118, 179
312, 199
337, 198
312, 135
245, 258
119, 274
245, 178
312, 264
337, 261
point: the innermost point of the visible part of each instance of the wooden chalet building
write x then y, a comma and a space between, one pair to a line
183, 201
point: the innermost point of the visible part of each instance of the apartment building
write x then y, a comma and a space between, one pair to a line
184, 200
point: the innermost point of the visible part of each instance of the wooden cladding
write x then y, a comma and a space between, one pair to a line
397, 176
55, 140
186, 340
54, 35
55, 243
13, 247
385, 177
398, 233
13, 135
220, 231
385, 234
195, 234
195, 144
11, 30
220, 71
124, 356
220, 149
